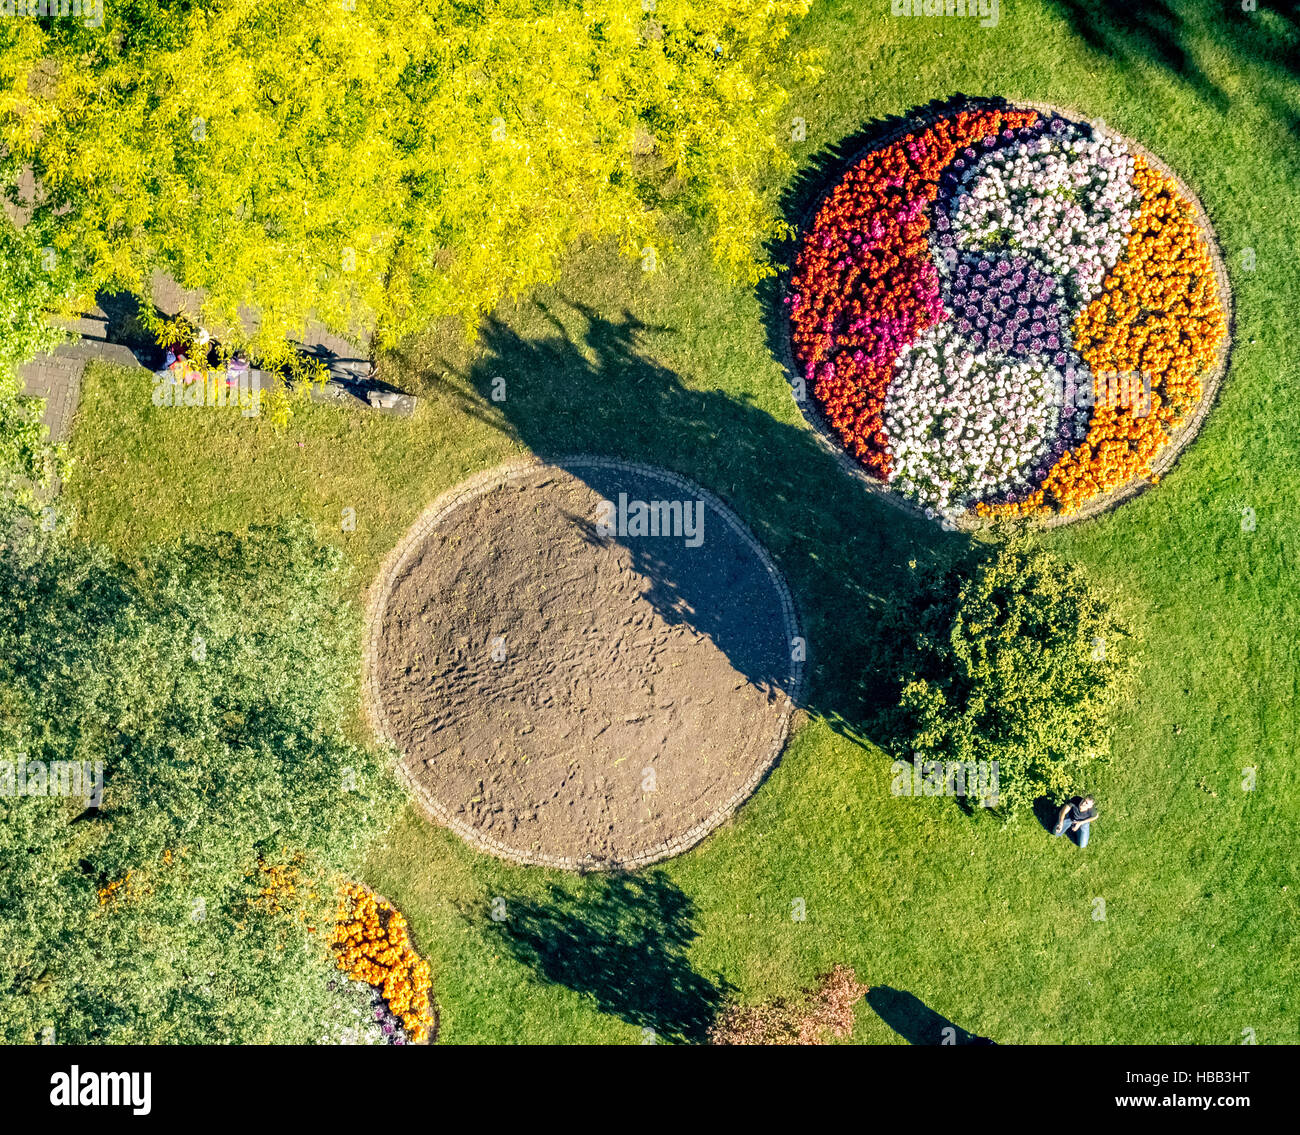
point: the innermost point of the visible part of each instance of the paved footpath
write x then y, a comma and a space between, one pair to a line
56, 377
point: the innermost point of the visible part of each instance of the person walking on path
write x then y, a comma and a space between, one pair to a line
1077, 815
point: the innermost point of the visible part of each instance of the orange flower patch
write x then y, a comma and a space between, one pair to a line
374, 946
1159, 315
284, 889
110, 890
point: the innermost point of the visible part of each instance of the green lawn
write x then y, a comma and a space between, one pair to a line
994, 929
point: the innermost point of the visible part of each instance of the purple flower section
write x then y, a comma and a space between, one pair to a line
389, 1024
1005, 305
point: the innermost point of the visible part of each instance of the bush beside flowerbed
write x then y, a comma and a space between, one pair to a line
1019, 659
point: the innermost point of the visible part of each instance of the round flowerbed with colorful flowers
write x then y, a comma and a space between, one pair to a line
1004, 312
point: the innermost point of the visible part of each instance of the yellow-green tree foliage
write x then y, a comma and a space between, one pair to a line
377, 163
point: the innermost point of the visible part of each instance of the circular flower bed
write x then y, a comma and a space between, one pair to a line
1005, 312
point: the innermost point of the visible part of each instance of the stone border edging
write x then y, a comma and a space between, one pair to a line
1211, 380
476, 486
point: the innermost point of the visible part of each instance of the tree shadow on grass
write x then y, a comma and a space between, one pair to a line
845, 552
1151, 30
624, 943
1174, 34
915, 1021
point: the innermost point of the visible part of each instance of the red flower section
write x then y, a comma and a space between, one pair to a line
864, 284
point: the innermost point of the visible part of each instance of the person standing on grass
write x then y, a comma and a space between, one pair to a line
1077, 815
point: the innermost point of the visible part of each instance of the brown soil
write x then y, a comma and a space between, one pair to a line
539, 675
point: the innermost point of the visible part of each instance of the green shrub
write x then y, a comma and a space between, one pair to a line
1019, 660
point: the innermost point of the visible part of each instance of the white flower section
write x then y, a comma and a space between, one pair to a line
963, 425
1066, 202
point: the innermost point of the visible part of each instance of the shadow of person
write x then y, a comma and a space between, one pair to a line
623, 942
915, 1021
1046, 813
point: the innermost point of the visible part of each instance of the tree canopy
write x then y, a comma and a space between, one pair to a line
209, 685
378, 163
1019, 659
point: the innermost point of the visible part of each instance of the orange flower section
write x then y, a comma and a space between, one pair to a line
373, 946
131, 885
284, 890
109, 891
1159, 314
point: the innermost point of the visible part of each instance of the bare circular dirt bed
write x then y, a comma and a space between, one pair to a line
568, 689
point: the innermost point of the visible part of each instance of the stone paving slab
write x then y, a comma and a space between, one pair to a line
87, 349
57, 379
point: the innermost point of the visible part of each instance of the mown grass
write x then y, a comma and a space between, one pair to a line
997, 930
